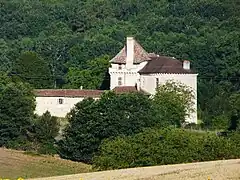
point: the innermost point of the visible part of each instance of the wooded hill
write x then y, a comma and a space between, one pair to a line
67, 44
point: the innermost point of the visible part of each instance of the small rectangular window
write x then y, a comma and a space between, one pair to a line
119, 81
60, 101
157, 82
119, 67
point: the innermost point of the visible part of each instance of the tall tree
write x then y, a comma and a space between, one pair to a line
173, 102
34, 70
17, 104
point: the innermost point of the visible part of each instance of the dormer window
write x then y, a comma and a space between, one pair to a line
119, 81
119, 67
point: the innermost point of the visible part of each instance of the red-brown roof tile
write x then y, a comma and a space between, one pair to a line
140, 55
67, 93
164, 64
80, 93
128, 89
125, 89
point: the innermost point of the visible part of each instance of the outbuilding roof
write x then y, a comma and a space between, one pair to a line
81, 93
67, 93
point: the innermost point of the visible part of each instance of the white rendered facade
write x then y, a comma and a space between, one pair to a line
123, 76
57, 106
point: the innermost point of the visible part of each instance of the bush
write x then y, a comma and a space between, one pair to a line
47, 148
46, 129
22, 144
166, 146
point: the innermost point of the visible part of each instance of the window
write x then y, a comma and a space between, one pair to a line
119, 67
60, 101
119, 81
157, 82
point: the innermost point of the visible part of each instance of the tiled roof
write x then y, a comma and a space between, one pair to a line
125, 89
80, 93
140, 55
67, 93
164, 64
128, 89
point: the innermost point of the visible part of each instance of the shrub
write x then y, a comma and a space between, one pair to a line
22, 143
220, 122
47, 148
166, 146
46, 129
235, 112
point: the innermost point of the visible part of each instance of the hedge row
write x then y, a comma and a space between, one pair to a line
166, 146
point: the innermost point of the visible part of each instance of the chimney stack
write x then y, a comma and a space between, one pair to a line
130, 52
186, 65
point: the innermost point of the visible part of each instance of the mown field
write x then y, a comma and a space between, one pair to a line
212, 170
15, 164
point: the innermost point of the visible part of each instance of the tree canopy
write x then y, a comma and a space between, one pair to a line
34, 70
90, 122
174, 103
16, 110
68, 35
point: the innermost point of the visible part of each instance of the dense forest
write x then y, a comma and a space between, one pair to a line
67, 44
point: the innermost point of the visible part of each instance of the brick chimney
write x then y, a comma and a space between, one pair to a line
186, 65
130, 52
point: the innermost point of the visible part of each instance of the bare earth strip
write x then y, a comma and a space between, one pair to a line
215, 170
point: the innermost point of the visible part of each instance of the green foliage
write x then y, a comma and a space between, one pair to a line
173, 102
90, 122
235, 102
165, 146
47, 148
235, 112
69, 34
46, 130
220, 122
16, 110
91, 77
5, 60
34, 70
47, 127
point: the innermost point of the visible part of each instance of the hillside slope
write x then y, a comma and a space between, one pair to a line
219, 170
15, 164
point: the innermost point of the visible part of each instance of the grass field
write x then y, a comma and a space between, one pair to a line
15, 164
213, 170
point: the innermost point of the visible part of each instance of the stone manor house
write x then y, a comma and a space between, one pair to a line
132, 69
